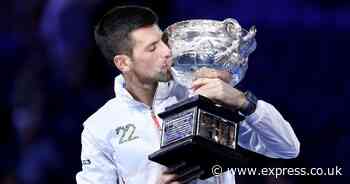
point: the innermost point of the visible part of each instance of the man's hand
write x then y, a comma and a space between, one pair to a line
214, 84
205, 72
180, 174
167, 178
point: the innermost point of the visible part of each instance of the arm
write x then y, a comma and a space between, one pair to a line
266, 132
97, 167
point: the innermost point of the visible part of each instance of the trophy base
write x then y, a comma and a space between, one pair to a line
198, 151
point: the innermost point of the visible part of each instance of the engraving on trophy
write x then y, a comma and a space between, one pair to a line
177, 127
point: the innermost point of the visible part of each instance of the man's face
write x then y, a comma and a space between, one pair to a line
151, 56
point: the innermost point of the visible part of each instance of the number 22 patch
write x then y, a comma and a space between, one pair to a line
126, 133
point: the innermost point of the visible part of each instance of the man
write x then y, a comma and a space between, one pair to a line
118, 138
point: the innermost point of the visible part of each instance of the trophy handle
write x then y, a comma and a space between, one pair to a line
243, 40
232, 26
243, 44
250, 35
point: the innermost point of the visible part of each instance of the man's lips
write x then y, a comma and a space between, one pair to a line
166, 66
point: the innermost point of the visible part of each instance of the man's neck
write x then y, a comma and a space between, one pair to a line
140, 91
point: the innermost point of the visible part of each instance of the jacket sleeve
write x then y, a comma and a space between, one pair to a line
97, 165
266, 132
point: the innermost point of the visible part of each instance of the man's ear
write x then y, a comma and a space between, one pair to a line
122, 62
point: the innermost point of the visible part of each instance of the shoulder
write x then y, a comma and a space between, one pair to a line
102, 122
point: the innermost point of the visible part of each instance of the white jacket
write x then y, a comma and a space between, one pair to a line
118, 138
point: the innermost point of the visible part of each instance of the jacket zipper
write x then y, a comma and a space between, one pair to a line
155, 119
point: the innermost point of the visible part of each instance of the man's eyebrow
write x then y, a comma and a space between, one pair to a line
152, 43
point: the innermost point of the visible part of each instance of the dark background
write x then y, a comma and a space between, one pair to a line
53, 77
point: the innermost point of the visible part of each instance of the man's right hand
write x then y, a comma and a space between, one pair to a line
168, 179
180, 174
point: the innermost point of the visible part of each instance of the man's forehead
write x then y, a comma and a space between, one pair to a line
146, 35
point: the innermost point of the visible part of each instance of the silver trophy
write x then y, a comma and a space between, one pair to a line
212, 44
196, 130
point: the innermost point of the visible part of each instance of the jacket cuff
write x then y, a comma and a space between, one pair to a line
257, 114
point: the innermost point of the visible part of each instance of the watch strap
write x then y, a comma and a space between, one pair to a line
250, 106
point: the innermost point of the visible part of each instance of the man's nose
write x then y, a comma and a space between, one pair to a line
166, 51
166, 54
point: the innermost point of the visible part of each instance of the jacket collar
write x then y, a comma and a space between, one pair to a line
162, 91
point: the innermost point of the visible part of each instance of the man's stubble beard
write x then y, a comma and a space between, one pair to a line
164, 76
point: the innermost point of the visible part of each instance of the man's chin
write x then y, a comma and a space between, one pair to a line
165, 77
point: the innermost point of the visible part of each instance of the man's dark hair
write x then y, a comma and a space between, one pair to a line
112, 33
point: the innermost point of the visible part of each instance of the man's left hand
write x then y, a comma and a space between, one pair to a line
214, 84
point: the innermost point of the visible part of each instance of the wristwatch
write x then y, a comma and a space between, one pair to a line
250, 105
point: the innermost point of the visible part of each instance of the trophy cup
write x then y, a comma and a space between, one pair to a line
196, 130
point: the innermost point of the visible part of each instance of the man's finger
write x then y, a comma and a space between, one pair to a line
201, 82
190, 174
205, 72
188, 171
174, 168
198, 83
168, 178
193, 176
213, 74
